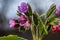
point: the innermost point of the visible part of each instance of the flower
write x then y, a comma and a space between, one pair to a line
27, 24
56, 28
12, 23
58, 11
24, 21
23, 8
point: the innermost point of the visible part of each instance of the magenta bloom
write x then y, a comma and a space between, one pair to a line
24, 21
27, 24
56, 28
12, 23
23, 8
58, 11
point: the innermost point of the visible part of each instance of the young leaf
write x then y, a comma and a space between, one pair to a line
49, 12
29, 13
54, 22
35, 18
30, 10
50, 19
42, 27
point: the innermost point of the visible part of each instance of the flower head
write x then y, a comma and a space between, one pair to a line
27, 24
23, 8
12, 23
24, 21
56, 28
58, 11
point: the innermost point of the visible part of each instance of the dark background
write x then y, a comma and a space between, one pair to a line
27, 34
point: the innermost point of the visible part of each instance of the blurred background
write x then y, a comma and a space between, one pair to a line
8, 10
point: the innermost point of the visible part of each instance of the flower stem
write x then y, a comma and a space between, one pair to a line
33, 32
40, 38
36, 32
32, 29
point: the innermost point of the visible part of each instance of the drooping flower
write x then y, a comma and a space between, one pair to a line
58, 11
27, 24
23, 8
55, 28
59, 24
12, 23
24, 21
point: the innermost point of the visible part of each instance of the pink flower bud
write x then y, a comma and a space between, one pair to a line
55, 28
24, 21
12, 23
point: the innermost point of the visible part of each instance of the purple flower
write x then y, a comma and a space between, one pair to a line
24, 21
58, 11
23, 8
27, 24
12, 23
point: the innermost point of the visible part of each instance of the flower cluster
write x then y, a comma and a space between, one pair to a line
56, 28
12, 23
23, 20
28, 19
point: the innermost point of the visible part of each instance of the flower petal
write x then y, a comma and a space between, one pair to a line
27, 24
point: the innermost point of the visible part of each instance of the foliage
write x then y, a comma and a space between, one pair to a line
12, 37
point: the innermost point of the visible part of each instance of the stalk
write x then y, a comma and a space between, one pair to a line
37, 33
39, 37
33, 33
32, 29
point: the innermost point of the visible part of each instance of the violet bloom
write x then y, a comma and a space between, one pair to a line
12, 23
24, 21
23, 8
58, 11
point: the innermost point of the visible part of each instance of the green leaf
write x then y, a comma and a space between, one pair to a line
50, 11
18, 13
30, 10
35, 18
50, 15
50, 19
54, 22
12, 37
42, 27
29, 13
